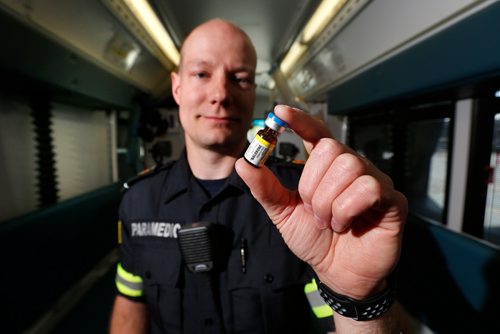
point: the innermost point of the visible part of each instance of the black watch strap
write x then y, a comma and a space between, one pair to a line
360, 310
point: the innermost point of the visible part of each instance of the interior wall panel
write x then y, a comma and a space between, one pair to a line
82, 149
18, 192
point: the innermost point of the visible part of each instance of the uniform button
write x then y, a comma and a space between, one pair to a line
268, 278
209, 322
148, 274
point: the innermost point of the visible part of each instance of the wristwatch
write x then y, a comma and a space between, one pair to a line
360, 310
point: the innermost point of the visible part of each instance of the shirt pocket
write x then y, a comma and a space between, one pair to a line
161, 273
285, 303
245, 298
269, 297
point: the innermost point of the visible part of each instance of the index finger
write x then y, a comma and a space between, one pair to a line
309, 128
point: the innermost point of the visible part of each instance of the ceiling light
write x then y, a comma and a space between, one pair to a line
148, 19
325, 12
321, 17
296, 51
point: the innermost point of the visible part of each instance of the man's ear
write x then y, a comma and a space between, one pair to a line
175, 78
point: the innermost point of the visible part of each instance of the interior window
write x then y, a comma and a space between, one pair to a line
492, 213
375, 143
426, 167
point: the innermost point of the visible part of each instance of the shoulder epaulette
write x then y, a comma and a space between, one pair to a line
145, 174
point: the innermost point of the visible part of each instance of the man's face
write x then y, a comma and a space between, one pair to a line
215, 88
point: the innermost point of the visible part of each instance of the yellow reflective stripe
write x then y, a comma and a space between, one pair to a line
127, 283
128, 291
310, 287
323, 311
320, 308
127, 276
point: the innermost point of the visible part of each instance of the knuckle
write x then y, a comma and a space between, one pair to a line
327, 146
305, 191
351, 164
320, 201
370, 185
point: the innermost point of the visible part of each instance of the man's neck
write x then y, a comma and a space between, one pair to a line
208, 164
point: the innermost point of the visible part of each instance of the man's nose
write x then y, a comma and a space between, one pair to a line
220, 90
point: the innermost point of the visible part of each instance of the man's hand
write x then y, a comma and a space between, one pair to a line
346, 219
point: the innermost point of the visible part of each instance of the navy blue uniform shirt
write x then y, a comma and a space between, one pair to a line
267, 297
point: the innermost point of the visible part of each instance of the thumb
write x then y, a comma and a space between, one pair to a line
266, 189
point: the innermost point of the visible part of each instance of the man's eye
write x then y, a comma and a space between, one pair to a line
244, 81
200, 75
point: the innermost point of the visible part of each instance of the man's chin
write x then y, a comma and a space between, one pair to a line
231, 147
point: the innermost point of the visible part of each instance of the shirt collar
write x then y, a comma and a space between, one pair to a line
180, 178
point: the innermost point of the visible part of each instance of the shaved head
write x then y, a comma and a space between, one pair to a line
218, 28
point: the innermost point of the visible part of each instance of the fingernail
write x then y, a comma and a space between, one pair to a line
279, 107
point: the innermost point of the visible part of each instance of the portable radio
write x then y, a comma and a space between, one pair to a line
195, 240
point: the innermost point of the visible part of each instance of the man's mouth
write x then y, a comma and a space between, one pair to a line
221, 119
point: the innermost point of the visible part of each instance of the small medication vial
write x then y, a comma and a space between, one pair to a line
265, 141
